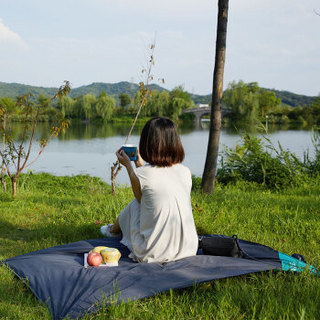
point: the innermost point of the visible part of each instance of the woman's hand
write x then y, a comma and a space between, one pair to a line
135, 183
139, 162
123, 158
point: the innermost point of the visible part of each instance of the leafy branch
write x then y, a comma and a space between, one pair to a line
15, 154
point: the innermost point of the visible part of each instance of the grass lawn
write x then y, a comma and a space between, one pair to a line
51, 211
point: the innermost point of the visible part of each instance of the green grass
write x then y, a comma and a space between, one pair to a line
50, 211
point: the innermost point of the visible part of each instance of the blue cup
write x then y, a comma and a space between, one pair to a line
131, 151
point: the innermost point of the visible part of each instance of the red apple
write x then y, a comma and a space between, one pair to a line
94, 259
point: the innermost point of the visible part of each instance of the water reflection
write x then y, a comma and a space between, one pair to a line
87, 131
89, 148
262, 127
82, 131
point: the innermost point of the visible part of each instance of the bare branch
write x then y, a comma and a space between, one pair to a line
30, 143
15, 154
6, 163
145, 89
114, 172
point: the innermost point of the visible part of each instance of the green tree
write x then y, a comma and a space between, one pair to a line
268, 102
157, 103
77, 108
67, 106
7, 108
105, 106
136, 103
178, 101
163, 101
88, 106
8, 104
314, 111
242, 99
43, 100
247, 101
296, 114
124, 100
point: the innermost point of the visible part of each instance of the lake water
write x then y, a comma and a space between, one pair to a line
90, 149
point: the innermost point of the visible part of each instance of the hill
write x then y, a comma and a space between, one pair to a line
293, 99
111, 88
13, 90
287, 98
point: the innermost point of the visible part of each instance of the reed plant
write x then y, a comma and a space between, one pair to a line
259, 160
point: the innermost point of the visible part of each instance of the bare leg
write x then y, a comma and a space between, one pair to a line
116, 227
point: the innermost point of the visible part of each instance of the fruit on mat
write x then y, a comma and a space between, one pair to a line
110, 255
94, 259
98, 249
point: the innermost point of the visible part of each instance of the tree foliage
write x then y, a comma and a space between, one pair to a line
247, 101
164, 103
105, 106
179, 100
8, 104
13, 90
305, 115
124, 100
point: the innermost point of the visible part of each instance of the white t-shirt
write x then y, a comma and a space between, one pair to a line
161, 228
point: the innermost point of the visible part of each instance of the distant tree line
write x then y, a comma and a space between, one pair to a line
104, 107
245, 102
248, 102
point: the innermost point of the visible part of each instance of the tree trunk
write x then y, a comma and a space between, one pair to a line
208, 177
3, 169
4, 183
113, 180
14, 186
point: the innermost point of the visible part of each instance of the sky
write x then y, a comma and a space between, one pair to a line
273, 42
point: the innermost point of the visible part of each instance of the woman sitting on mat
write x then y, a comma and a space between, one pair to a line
158, 225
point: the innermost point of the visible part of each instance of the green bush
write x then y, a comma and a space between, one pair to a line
187, 117
313, 164
264, 164
196, 183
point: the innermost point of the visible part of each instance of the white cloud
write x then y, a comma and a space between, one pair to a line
9, 36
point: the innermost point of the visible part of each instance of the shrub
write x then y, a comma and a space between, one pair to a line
196, 183
313, 165
264, 164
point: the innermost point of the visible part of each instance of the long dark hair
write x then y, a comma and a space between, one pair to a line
160, 144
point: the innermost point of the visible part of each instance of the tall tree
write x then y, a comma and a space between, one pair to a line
88, 103
243, 100
247, 101
105, 106
179, 100
208, 177
124, 100
66, 104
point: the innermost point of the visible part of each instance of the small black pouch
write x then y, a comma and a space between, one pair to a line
219, 245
